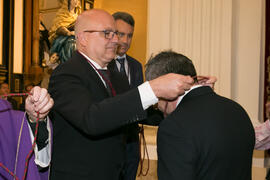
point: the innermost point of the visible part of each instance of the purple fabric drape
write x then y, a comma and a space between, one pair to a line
10, 125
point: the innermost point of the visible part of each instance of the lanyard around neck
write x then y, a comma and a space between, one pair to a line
108, 82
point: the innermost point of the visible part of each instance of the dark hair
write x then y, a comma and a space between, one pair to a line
168, 62
125, 17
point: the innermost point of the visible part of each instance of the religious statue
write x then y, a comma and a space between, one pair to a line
61, 34
50, 64
44, 44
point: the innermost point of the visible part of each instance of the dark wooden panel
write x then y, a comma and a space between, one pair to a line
6, 67
3, 74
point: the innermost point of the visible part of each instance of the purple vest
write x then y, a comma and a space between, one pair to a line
11, 124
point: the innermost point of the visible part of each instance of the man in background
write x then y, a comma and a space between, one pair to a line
204, 136
132, 70
4, 89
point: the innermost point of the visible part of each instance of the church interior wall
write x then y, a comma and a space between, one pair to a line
229, 45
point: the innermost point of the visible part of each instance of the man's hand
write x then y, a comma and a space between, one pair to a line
170, 86
39, 101
207, 80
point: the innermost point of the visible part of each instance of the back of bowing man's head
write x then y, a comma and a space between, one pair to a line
164, 63
169, 62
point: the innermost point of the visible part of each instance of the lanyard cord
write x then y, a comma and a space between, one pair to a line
104, 78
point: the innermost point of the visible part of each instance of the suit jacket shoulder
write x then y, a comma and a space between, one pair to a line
205, 132
135, 72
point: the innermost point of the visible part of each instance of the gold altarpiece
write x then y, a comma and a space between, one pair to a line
32, 71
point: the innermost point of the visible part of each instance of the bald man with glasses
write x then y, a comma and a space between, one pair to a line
90, 109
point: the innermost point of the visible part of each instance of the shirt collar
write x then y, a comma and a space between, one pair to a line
93, 62
118, 57
186, 92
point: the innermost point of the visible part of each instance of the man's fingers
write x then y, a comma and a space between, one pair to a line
39, 101
211, 80
45, 110
42, 102
35, 93
189, 80
170, 86
30, 99
185, 87
41, 96
184, 84
47, 106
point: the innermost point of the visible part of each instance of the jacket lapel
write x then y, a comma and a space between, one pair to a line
91, 73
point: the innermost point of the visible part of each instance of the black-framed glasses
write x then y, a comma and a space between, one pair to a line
108, 34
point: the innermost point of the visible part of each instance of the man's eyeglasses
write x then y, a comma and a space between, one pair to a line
108, 34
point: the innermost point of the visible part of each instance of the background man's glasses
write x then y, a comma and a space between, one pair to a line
108, 34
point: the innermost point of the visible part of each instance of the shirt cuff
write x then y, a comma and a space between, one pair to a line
147, 95
42, 157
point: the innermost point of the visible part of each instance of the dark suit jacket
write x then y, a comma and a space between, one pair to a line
207, 137
136, 74
136, 79
88, 140
135, 69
